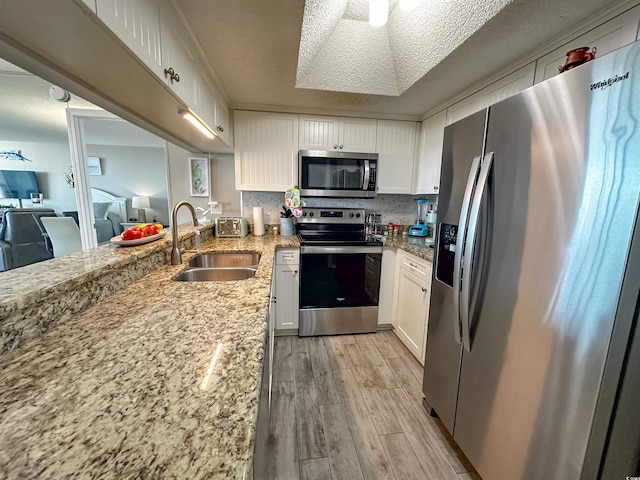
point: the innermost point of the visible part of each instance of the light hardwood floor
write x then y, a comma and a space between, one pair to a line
350, 407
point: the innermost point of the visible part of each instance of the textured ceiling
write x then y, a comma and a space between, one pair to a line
340, 51
252, 45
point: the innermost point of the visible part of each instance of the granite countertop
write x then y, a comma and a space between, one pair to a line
413, 245
160, 379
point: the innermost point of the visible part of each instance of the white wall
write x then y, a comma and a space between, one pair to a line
50, 160
132, 171
221, 174
34, 123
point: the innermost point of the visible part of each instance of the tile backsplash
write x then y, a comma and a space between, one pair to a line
400, 209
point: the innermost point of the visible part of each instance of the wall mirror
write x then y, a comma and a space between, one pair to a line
34, 137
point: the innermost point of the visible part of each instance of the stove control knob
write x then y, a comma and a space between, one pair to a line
351, 215
304, 214
357, 215
311, 214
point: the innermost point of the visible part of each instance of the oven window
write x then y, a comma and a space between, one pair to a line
339, 280
332, 174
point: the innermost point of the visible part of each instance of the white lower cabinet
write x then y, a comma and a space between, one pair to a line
271, 332
411, 302
387, 282
287, 288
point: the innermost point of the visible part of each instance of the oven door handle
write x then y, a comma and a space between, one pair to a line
340, 250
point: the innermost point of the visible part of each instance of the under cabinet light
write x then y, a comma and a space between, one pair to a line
193, 119
378, 12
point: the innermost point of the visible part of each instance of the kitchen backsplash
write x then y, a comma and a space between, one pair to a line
400, 209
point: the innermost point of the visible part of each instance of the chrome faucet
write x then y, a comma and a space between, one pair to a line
176, 253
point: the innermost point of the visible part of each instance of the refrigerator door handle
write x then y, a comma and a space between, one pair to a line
487, 162
459, 255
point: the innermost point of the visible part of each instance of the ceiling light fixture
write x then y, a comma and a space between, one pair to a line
378, 12
193, 119
408, 5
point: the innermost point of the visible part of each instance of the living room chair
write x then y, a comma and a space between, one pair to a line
21, 241
64, 235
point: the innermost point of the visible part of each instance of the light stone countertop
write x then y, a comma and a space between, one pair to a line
413, 245
159, 380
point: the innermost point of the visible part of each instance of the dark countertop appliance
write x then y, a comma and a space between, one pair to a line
339, 273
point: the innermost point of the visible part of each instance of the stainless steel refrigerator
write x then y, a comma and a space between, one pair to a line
537, 274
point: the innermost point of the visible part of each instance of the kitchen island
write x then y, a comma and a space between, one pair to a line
158, 380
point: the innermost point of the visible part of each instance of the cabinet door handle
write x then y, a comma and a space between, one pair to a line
220, 129
424, 290
341, 146
435, 187
171, 74
295, 272
335, 146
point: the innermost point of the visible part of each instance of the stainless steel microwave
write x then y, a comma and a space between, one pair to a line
337, 174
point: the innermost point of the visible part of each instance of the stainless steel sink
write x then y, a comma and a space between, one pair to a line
215, 274
225, 260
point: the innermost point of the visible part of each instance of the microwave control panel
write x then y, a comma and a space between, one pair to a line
373, 174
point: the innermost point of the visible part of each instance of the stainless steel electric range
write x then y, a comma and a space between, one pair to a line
339, 273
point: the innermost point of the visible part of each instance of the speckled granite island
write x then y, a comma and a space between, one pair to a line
157, 380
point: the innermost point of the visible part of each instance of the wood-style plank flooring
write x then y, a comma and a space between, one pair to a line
350, 407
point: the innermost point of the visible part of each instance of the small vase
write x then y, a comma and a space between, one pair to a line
286, 227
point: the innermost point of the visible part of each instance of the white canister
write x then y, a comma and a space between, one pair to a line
258, 222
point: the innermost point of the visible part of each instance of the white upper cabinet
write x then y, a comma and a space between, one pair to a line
91, 4
211, 110
337, 133
137, 24
266, 151
462, 109
506, 87
358, 134
610, 36
427, 171
396, 149
222, 125
510, 85
181, 65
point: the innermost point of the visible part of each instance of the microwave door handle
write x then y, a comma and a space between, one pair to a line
366, 176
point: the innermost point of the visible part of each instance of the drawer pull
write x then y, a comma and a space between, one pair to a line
413, 265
